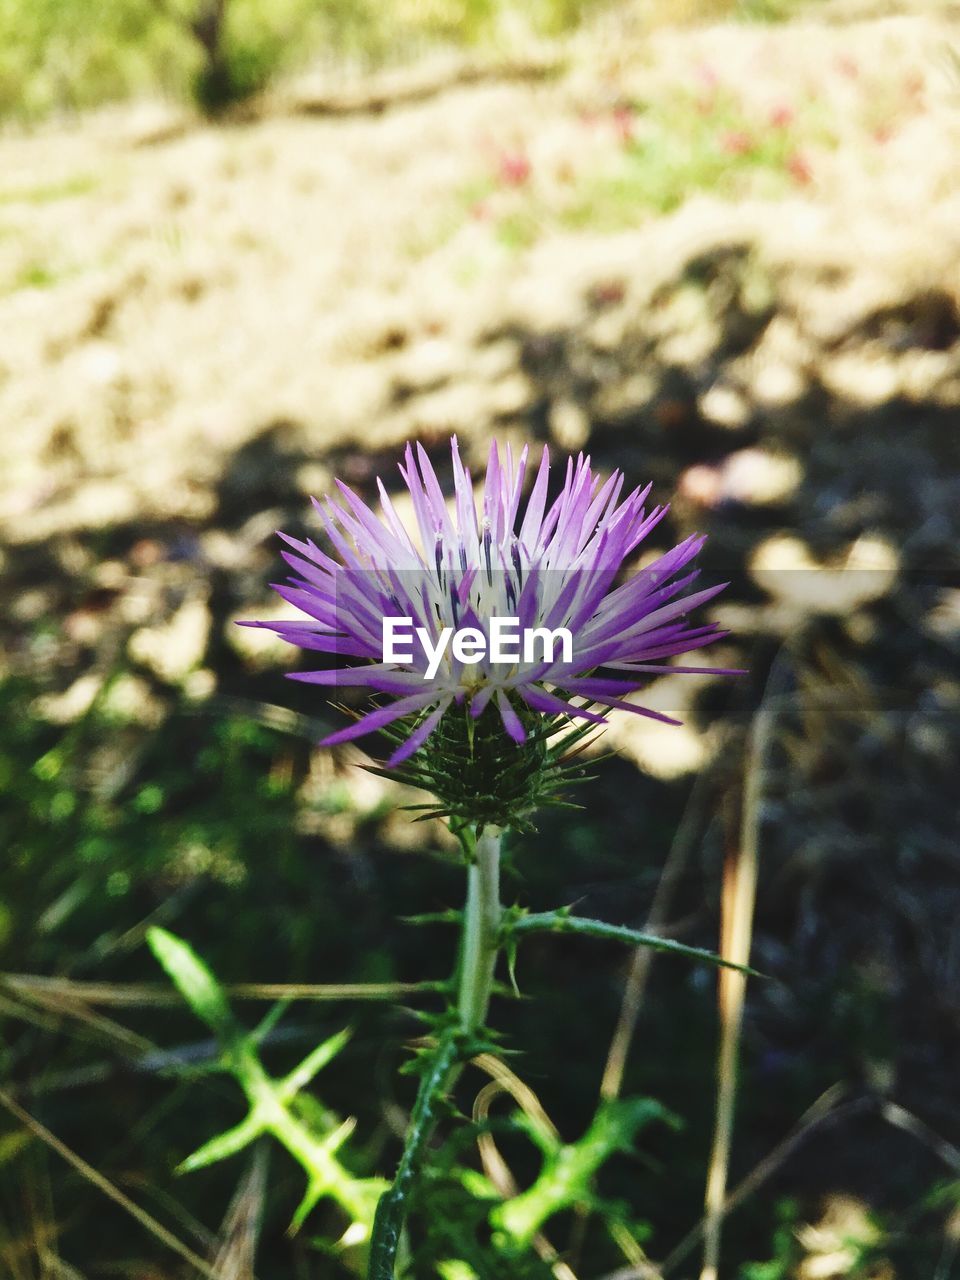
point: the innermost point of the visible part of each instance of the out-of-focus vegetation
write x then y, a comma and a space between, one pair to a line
64, 55
649, 158
60, 55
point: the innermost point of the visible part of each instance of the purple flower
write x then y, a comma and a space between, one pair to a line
548, 566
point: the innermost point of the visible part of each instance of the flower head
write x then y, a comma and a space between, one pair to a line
543, 564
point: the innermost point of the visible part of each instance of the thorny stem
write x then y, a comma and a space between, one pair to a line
392, 1207
481, 941
481, 930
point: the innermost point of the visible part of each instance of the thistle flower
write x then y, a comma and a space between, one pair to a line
548, 565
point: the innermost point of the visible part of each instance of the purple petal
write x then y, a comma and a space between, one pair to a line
588, 688
479, 700
540, 700
536, 503
381, 716
419, 735
376, 676
511, 721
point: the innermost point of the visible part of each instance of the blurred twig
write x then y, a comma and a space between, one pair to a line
59, 1002
504, 1080
681, 847
832, 1105
900, 1118
673, 868
146, 1220
241, 1227
739, 894
828, 1107
404, 87
149, 993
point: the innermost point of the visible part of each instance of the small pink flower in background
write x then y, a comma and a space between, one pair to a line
607, 293
782, 116
736, 142
709, 87
799, 168
514, 167
623, 121
589, 117
707, 76
848, 66
914, 85
883, 133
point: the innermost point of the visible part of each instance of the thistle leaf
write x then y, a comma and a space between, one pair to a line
193, 980
315, 1061
225, 1144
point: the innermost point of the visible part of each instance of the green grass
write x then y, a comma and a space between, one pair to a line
770, 10
669, 149
48, 192
35, 275
684, 145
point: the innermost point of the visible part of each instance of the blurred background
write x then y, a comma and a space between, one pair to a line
246, 246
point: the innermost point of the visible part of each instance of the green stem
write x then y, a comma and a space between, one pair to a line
482, 919
481, 930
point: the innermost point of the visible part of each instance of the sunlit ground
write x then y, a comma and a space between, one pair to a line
725, 258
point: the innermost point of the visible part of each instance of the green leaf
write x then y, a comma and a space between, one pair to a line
193, 980
269, 1100
450, 916
315, 1192
566, 1178
224, 1144
315, 1061
562, 922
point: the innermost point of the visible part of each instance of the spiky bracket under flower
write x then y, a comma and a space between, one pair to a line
480, 778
